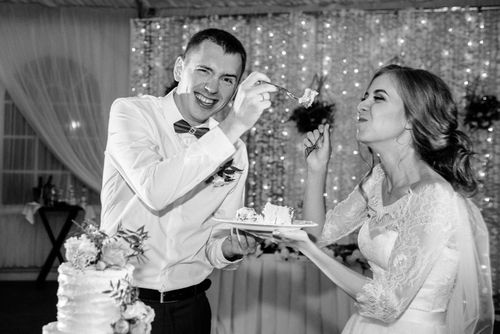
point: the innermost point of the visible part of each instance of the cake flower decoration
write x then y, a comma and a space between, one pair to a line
95, 248
136, 317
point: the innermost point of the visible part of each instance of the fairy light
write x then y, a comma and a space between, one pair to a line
74, 125
293, 49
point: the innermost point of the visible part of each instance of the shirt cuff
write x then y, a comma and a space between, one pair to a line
222, 262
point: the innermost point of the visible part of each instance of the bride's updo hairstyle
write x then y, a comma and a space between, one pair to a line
432, 113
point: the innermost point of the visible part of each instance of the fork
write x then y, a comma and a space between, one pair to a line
315, 146
283, 89
308, 150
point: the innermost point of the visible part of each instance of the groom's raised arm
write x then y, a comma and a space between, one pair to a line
159, 178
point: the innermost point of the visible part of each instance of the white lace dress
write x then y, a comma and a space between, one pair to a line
411, 248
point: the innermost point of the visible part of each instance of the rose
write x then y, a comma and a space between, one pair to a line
100, 265
71, 246
135, 310
140, 327
121, 327
115, 252
150, 315
81, 251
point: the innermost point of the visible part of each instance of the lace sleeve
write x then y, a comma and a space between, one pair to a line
423, 232
351, 213
346, 217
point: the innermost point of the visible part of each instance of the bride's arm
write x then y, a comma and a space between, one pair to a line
317, 167
348, 280
314, 201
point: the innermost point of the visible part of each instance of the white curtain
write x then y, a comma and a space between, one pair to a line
63, 68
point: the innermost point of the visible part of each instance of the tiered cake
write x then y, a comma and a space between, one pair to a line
94, 294
82, 305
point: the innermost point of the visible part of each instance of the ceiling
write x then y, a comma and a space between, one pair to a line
230, 7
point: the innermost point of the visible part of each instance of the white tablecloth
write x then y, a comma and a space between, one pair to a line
268, 295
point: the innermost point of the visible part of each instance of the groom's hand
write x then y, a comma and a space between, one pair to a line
252, 98
237, 245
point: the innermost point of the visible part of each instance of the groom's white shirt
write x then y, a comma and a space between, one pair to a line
156, 178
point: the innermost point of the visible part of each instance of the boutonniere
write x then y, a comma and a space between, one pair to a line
225, 175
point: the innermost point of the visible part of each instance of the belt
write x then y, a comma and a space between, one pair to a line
174, 295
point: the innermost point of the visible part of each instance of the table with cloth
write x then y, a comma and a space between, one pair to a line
270, 295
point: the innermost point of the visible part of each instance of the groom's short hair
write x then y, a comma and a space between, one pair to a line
227, 41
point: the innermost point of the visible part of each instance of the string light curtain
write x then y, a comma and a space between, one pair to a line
460, 44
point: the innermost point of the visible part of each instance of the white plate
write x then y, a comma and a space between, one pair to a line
298, 224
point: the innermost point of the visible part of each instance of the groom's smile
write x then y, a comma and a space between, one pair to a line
204, 101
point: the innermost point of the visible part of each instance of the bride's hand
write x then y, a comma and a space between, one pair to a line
293, 238
318, 141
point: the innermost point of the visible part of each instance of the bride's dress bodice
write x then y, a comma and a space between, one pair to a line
410, 246
434, 294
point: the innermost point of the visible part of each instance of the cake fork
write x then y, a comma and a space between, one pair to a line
309, 149
283, 89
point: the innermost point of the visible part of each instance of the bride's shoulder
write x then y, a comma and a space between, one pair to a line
433, 186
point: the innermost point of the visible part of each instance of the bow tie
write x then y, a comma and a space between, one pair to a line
183, 127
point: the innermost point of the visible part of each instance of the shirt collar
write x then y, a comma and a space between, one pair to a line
173, 114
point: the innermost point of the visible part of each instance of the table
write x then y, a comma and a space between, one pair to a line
270, 295
73, 212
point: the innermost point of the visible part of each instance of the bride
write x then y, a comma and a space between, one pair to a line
426, 242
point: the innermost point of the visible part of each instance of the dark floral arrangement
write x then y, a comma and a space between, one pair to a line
320, 112
349, 254
480, 110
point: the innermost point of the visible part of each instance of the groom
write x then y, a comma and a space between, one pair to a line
170, 167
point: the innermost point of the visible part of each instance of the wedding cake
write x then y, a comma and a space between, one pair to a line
271, 215
94, 294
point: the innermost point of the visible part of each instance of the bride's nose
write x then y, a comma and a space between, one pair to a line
362, 106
